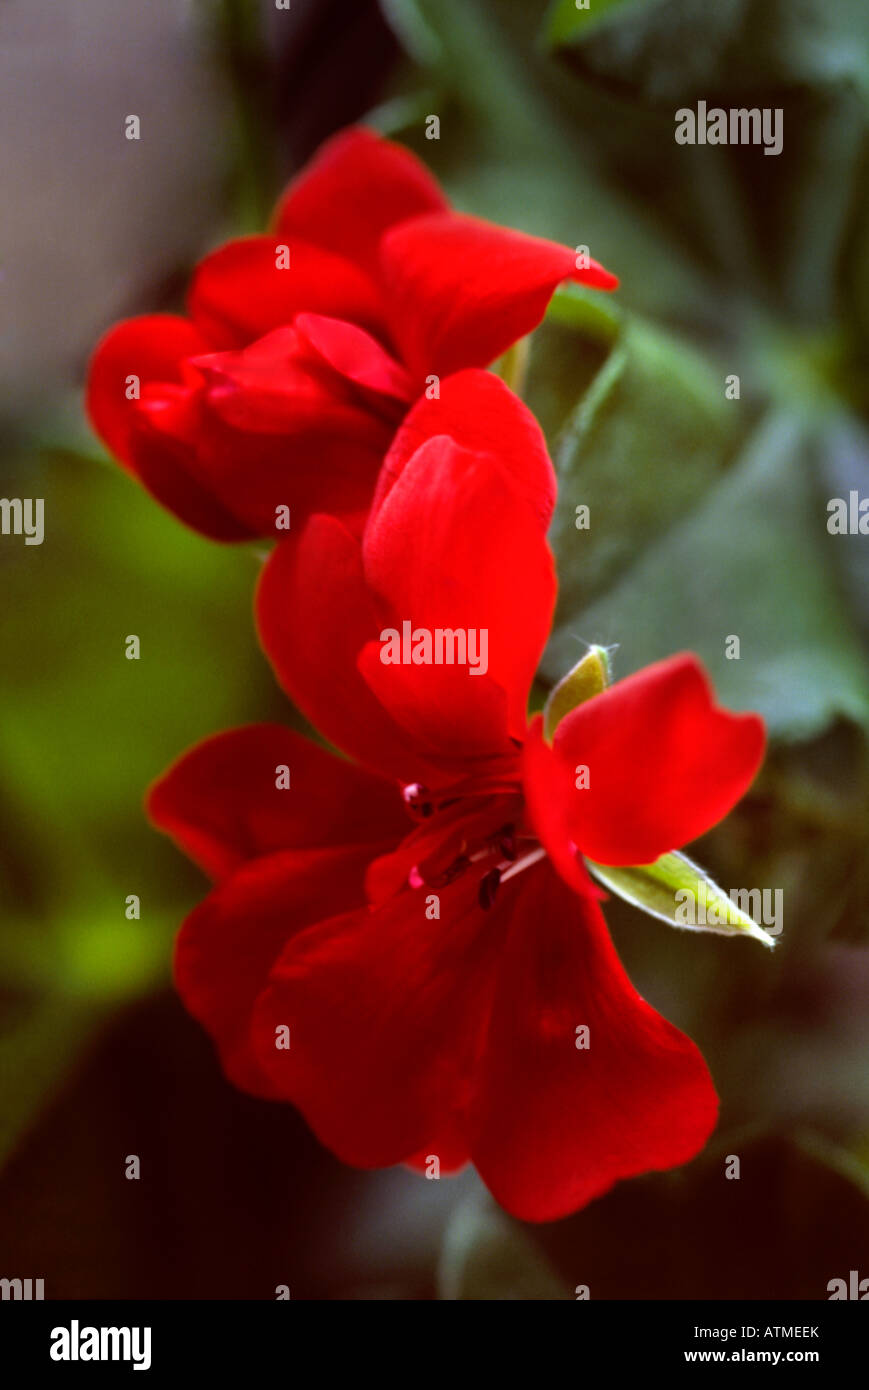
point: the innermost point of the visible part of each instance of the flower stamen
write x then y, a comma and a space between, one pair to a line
525, 863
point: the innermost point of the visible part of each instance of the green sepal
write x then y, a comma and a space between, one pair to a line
589, 677
653, 888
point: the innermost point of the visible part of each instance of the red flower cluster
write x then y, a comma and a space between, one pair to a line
304, 348
407, 945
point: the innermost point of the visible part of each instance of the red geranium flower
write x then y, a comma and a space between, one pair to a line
304, 347
410, 951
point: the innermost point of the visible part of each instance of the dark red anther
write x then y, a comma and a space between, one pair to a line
417, 799
507, 843
488, 888
449, 875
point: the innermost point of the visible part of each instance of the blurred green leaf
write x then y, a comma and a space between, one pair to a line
808, 61
84, 732
567, 21
844, 462
749, 562
643, 446
591, 312
39, 1043
670, 49
237, 29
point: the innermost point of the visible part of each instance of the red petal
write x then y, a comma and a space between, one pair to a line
157, 350
554, 1126
239, 292
221, 804
228, 944
356, 356
355, 188
165, 452
386, 1010
548, 799
449, 715
460, 290
455, 546
480, 412
331, 460
315, 615
152, 348
450, 1161
318, 375
665, 763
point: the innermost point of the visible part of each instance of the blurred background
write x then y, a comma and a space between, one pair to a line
708, 520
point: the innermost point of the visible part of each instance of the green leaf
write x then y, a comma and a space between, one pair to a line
566, 23
750, 562
668, 49
844, 463
642, 448
654, 887
591, 312
779, 223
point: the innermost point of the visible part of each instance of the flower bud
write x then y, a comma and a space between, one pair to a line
589, 677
